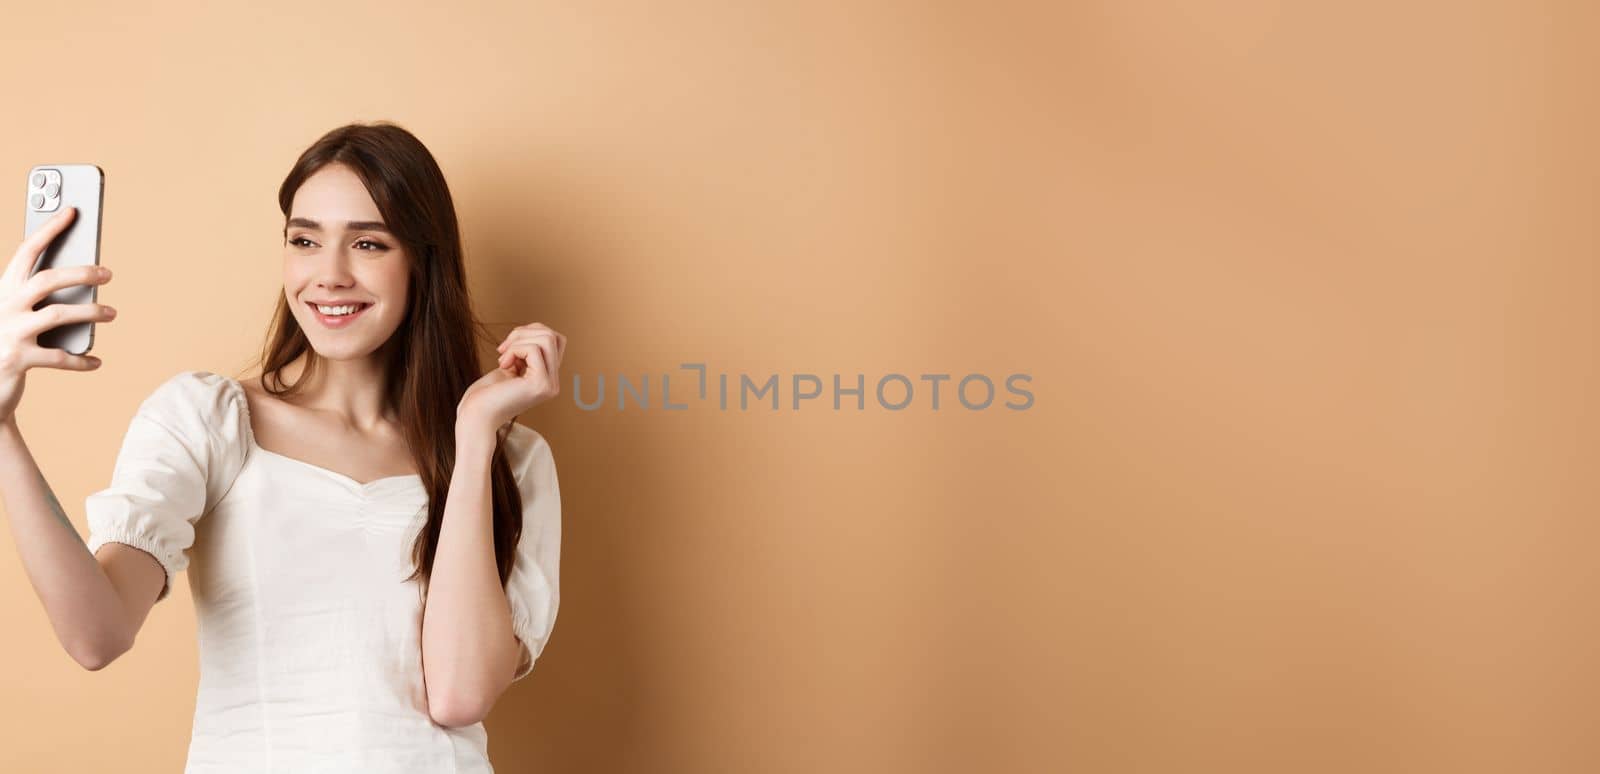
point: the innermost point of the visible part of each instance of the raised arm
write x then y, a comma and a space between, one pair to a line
96, 604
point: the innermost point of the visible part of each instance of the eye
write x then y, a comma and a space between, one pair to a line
296, 241
376, 246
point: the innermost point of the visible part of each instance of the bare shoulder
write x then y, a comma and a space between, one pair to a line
252, 386
266, 411
258, 397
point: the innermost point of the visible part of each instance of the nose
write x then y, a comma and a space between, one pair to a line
333, 269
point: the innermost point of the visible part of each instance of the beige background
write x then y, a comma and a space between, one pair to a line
1307, 291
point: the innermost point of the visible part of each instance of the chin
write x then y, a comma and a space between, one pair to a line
343, 350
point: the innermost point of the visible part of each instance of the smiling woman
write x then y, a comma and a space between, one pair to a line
369, 222
367, 499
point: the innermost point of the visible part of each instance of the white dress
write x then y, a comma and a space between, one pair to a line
310, 643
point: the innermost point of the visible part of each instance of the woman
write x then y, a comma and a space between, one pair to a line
372, 541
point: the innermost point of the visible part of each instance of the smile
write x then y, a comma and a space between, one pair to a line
338, 320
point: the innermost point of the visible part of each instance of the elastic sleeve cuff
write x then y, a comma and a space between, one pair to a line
143, 543
532, 630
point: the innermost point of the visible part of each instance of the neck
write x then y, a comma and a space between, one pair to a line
349, 390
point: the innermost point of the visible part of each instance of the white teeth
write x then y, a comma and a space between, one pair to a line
337, 311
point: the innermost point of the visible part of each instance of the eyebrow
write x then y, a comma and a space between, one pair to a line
351, 225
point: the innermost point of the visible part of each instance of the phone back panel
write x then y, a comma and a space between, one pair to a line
83, 187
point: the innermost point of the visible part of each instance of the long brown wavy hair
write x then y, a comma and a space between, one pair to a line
431, 359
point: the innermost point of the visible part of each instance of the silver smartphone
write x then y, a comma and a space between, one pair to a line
52, 187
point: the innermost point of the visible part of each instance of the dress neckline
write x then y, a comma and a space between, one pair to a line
250, 437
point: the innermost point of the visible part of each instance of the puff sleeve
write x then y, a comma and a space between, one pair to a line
533, 587
180, 455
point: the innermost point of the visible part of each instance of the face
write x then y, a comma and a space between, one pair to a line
338, 251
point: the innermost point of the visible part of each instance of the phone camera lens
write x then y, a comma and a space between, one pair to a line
52, 190
37, 200
38, 180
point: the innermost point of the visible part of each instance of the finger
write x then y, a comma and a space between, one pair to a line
523, 329
547, 339
28, 252
509, 346
514, 361
558, 344
529, 333
534, 353
57, 315
50, 357
50, 280
510, 336
555, 374
547, 355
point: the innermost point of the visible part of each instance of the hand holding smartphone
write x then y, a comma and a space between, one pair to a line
52, 188
48, 289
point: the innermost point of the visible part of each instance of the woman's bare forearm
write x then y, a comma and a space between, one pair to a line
84, 607
469, 649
